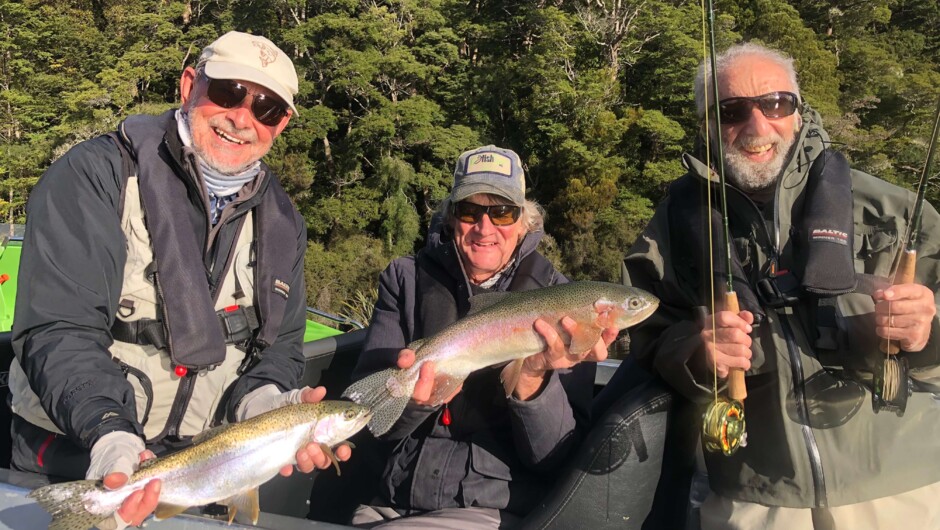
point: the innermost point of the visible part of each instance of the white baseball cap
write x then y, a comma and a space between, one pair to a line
246, 57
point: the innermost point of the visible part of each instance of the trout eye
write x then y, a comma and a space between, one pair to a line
633, 303
349, 414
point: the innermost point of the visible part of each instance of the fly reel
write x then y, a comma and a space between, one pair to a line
892, 386
723, 427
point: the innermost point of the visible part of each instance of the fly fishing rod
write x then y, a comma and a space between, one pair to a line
893, 385
723, 427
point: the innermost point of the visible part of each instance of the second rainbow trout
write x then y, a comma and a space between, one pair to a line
499, 328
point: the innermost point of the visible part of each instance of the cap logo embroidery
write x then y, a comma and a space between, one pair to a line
489, 163
267, 54
281, 288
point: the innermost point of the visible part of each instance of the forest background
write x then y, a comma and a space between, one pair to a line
595, 95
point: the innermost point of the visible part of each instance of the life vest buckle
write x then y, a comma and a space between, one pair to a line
235, 324
779, 291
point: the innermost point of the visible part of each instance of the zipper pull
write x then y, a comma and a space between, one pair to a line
445, 417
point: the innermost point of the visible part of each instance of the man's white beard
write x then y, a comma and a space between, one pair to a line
752, 176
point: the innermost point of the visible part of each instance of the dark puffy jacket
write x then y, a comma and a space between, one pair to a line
498, 452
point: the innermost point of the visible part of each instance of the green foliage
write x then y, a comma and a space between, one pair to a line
595, 96
334, 276
359, 307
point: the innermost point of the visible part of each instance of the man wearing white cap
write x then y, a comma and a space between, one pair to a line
162, 288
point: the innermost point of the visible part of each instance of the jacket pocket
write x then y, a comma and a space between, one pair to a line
875, 248
488, 479
489, 465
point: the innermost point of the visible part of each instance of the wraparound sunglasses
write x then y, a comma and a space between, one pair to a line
500, 214
228, 94
772, 105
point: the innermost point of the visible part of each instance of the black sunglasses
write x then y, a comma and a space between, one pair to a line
500, 214
772, 105
228, 93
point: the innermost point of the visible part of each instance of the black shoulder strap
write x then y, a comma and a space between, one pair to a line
128, 167
827, 227
276, 241
689, 240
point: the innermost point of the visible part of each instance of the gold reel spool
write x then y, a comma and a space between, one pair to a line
723, 427
892, 386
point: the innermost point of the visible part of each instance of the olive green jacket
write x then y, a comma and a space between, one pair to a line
814, 439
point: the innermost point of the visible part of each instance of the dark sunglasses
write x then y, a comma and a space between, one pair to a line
773, 105
500, 214
228, 93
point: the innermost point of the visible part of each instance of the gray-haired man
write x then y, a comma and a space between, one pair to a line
147, 310
804, 228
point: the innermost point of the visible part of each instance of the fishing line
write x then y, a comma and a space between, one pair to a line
889, 387
893, 384
723, 426
708, 205
892, 373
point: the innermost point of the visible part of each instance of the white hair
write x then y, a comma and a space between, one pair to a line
725, 59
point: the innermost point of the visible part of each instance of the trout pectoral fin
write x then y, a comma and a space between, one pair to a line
444, 386
584, 338
243, 504
332, 456
510, 376
165, 511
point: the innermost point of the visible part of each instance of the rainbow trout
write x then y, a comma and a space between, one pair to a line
225, 464
499, 328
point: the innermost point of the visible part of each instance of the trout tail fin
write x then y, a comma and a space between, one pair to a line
66, 505
385, 394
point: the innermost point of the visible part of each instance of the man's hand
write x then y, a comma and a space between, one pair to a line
270, 397
311, 456
905, 312
727, 341
140, 504
114, 457
557, 355
424, 388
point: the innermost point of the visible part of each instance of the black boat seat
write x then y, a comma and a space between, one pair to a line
6, 416
634, 468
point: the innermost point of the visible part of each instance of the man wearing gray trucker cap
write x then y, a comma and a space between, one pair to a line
483, 460
148, 311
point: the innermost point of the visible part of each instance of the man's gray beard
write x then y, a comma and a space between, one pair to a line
756, 176
207, 159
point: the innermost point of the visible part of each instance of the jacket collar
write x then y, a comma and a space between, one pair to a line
180, 157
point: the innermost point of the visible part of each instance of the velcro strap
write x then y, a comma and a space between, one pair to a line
238, 324
144, 331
